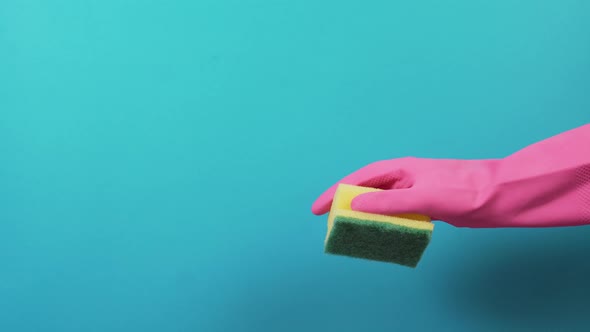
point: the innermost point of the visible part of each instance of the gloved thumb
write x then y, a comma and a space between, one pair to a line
398, 201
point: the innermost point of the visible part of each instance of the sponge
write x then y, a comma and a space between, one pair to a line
398, 239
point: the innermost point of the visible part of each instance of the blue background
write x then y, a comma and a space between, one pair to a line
159, 159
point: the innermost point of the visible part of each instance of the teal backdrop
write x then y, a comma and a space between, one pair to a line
159, 159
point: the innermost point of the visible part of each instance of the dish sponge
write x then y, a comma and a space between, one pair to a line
395, 239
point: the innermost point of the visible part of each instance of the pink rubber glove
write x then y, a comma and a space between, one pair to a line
546, 184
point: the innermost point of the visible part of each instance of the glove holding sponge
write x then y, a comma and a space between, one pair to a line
378, 212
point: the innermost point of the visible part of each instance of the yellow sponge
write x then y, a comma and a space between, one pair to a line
398, 239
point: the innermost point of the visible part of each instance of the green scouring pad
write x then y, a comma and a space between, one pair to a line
395, 239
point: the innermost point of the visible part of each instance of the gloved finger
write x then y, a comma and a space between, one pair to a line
383, 175
399, 201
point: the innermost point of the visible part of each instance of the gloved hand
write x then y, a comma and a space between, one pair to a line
546, 184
